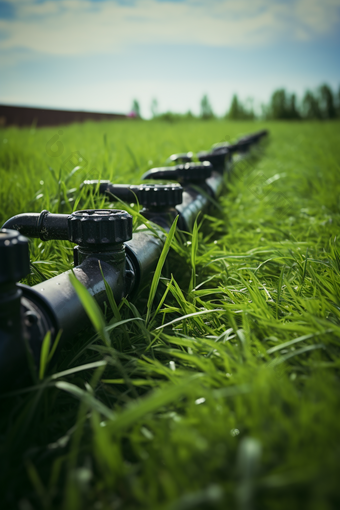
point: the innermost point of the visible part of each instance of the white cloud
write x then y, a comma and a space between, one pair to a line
81, 27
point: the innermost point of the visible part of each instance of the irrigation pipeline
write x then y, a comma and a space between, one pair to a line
105, 248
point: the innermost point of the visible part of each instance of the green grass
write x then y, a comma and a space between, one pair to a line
228, 395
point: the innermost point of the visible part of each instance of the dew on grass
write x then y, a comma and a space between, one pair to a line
200, 401
83, 475
147, 433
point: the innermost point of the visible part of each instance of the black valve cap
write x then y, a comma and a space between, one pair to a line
14, 256
216, 158
241, 145
189, 172
93, 227
159, 195
148, 195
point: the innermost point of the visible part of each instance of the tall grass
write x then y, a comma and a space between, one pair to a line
220, 387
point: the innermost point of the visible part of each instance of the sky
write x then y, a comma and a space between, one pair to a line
99, 55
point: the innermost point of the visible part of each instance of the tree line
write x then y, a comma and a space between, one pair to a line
321, 103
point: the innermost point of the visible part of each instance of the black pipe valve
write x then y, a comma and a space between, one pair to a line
185, 174
147, 195
154, 196
97, 227
219, 160
99, 231
14, 256
14, 265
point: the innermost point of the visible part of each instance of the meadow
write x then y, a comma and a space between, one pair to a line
226, 394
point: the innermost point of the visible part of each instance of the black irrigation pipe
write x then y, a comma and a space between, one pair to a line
126, 260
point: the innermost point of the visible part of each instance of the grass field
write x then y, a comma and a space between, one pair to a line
236, 407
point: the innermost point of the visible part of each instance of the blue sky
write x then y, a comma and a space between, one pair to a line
100, 55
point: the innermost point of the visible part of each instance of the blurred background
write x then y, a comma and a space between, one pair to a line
149, 57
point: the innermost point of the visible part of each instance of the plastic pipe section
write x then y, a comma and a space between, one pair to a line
106, 250
105, 247
44, 225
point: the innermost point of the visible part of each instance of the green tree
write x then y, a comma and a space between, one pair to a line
278, 104
283, 105
326, 101
310, 106
292, 110
238, 111
154, 108
235, 111
206, 109
135, 108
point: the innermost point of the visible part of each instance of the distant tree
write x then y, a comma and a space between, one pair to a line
265, 111
135, 108
176, 117
206, 109
249, 108
310, 106
238, 111
292, 110
189, 115
326, 101
235, 111
283, 106
154, 108
278, 104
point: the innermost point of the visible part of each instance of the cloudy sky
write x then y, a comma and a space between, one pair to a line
101, 54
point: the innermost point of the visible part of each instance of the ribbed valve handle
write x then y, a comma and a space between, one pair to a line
92, 227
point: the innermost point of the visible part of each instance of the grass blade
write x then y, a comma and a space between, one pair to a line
44, 354
110, 296
160, 264
92, 309
195, 314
